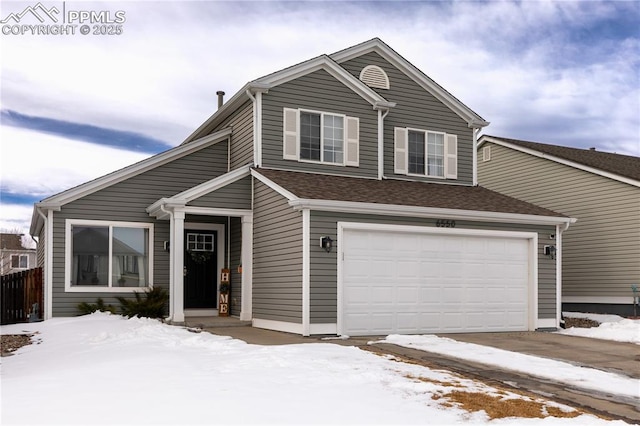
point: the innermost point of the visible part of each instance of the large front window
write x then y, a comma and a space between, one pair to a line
321, 137
109, 255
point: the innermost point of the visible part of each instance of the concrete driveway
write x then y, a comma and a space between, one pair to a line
620, 358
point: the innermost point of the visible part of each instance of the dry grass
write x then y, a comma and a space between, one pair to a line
12, 342
497, 406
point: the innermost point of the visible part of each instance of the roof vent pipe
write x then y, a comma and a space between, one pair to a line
220, 94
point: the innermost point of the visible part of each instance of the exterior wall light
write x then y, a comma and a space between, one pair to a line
326, 243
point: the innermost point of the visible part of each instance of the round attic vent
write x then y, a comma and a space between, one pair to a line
374, 76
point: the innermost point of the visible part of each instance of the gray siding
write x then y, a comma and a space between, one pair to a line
601, 252
324, 265
416, 108
277, 258
236, 195
318, 91
127, 201
241, 122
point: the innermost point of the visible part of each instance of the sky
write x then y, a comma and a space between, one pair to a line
76, 106
106, 369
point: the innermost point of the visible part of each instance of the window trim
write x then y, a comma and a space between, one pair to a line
426, 153
291, 137
68, 257
322, 115
19, 256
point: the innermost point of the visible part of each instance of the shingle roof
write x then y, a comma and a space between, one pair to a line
398, 192
11, 242
623, 165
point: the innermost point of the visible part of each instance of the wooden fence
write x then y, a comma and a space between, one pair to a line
21, 296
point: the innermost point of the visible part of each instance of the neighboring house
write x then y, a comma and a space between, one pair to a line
601, 252
14, 257
340, 192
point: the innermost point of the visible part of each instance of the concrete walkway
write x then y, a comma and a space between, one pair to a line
619, 358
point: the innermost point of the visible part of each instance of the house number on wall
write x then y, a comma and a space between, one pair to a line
445, 223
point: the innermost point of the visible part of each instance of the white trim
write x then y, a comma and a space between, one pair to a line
68, 256
559, 160
625, 300
271, 184
329, 328
474, 133
214, 211
287, 327
133, 170
306, 272
177, 248
424, 212
378, 46
327, 64
532, 238
547, 323
48, 296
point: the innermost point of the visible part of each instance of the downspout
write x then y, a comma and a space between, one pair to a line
255, 127
474, 132
171, 260
381, 117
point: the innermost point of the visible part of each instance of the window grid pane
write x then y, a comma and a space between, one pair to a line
333, 138
200, 242
309, 136
416, 152
435, 154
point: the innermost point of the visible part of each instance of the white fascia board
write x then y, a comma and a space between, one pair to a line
325, 63
128, 172
425, 212
271, 184
213, 184
376, 45
559, 160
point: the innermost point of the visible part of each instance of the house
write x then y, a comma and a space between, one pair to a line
14, 256
340, 193
601, 252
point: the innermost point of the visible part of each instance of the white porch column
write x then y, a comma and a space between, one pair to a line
246, 254
177, 247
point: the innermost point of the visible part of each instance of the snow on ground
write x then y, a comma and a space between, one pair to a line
612, 327
106, 369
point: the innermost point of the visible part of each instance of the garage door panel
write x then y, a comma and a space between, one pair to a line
430, 283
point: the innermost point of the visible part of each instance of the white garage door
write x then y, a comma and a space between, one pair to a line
397, 282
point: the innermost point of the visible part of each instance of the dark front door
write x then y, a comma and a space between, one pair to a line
200, 263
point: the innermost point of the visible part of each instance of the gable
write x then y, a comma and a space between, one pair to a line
400, 64
623, 168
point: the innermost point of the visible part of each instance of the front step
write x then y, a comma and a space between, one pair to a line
214, 321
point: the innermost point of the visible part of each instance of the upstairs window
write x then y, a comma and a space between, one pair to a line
19, 261
425, 153
320, 137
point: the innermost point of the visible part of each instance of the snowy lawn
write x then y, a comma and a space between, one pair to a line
106, 369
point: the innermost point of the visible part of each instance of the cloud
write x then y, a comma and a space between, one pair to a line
556, 72
39, 165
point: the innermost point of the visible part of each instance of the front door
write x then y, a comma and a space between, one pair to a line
200, 269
